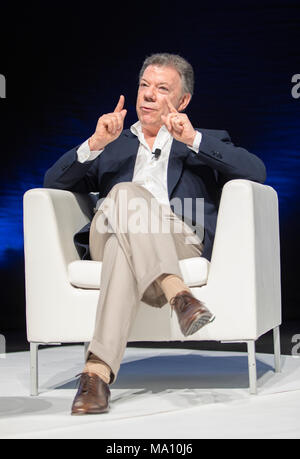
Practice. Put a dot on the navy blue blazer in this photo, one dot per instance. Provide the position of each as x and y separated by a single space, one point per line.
190 175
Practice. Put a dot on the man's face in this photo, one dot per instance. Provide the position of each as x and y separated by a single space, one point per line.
156 84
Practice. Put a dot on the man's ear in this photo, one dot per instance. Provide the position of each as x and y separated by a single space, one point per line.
184 101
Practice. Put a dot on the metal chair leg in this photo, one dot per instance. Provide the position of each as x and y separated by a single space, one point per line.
252 367
277 353
34 347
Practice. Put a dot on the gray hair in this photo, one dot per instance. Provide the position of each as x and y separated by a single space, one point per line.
180 64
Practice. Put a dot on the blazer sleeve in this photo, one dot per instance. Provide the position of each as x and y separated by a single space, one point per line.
229 161
69 174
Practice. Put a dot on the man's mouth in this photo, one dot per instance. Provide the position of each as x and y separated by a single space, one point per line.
147 109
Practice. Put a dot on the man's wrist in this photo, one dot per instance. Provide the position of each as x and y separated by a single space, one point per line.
196 143
94 144
190 142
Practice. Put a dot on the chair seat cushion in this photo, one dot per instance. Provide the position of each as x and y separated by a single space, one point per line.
87 273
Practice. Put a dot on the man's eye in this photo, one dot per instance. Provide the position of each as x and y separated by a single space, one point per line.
163 88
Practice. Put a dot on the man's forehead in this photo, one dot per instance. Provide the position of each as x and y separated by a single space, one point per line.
166 74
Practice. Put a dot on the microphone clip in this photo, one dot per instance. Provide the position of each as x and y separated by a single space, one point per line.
157 153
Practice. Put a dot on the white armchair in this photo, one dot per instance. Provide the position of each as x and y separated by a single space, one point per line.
241 284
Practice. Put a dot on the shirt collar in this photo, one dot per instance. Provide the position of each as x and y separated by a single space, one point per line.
163 133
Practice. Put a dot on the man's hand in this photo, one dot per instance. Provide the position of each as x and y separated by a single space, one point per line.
109 127
179 125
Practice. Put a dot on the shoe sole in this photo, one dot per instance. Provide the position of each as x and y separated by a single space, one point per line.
200 322
83 412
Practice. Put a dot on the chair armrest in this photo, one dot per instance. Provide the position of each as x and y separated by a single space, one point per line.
245 265
51 217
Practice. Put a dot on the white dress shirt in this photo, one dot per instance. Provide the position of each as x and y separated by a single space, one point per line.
149 172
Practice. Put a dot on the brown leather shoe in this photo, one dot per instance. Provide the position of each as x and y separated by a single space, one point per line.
192 314
92 397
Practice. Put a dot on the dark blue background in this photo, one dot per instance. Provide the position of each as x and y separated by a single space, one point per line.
67 64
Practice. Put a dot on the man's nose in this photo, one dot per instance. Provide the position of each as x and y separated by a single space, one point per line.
150 94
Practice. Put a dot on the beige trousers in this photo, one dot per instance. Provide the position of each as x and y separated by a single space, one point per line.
137 241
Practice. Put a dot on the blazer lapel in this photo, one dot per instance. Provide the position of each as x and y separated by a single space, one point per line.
178 153
129 152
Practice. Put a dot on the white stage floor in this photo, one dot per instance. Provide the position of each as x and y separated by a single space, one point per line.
159 393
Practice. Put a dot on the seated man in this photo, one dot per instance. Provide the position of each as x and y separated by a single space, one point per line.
160 160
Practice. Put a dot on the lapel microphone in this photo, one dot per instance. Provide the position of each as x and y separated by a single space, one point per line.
157 153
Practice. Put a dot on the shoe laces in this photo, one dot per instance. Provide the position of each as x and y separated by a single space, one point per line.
178 300
88 382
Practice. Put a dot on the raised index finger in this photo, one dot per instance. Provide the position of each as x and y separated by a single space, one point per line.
170 106
120 104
